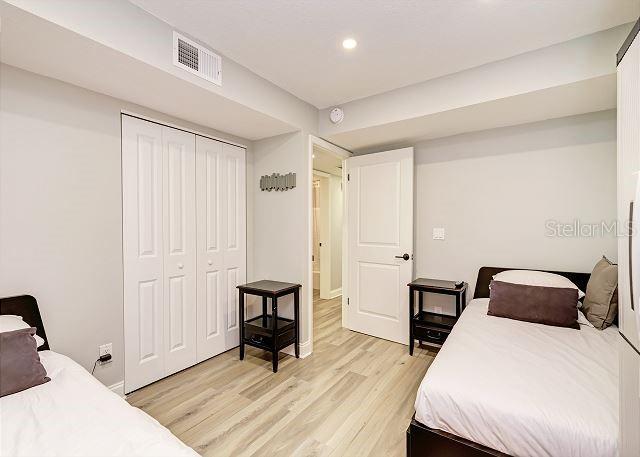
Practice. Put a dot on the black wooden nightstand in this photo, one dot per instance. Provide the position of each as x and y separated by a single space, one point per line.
432 328
269 331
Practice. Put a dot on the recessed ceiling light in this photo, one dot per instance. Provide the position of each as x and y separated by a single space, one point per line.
349 43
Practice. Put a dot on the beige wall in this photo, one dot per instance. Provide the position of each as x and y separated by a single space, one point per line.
61 212
493 192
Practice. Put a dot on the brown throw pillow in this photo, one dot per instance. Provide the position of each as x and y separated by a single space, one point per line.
20 366
600 304
542 305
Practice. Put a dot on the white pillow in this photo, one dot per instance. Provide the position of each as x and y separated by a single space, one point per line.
9 322
536 278
582 320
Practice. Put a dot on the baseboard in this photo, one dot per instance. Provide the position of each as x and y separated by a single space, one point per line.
336 292
117 388
305 350
332 294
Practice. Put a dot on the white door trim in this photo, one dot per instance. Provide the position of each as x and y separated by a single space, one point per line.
144 117
306 347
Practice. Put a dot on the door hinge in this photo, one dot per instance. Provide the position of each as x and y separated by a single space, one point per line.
347 301
348 176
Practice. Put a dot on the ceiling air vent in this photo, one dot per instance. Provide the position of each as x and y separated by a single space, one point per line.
197 59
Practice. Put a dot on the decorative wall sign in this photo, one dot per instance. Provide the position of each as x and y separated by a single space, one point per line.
276 181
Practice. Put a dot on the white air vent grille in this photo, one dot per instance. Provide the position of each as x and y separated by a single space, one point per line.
196 59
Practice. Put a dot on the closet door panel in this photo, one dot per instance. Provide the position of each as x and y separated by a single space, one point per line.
234 236
142 252
212 302
232 304
179 236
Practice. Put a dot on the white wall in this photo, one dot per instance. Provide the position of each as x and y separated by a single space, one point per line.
494 190
335 184
324 228
281 219
583 58
129 30
61 212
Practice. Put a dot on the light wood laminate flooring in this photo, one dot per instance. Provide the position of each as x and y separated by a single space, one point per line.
353 396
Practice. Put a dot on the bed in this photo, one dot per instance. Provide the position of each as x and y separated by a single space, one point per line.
74 414
505 387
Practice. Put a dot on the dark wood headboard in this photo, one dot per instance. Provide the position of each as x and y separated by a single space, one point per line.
27 307
485 274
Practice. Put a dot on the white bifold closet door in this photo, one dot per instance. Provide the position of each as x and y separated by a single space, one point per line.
183 246
179 242
221 257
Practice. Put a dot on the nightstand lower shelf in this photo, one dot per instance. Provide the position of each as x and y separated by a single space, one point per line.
258 332
432 328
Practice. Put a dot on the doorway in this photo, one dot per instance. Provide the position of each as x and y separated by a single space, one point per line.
326 257
326 205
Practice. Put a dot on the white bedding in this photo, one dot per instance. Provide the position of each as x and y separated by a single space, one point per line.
75 415
525 389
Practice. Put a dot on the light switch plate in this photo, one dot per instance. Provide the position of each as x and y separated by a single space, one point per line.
438 233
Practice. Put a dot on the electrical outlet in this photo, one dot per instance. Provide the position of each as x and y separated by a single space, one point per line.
438 233
105 349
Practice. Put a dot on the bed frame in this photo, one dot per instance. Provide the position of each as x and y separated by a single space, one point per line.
27 307
423 441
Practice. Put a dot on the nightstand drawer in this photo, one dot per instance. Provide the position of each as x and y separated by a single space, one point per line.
258 339
430 334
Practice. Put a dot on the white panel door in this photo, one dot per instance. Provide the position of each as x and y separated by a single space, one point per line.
142 252
210 260
234 236
380 232
179 234
221 248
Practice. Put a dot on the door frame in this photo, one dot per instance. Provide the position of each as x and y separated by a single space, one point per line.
144 117
343 154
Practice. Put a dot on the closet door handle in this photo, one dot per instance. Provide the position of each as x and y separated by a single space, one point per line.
209 262
180 266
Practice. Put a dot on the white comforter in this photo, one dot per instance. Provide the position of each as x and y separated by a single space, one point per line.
75 415
525 389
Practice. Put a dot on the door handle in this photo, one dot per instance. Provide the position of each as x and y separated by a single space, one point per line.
180 266
404 256
210 262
